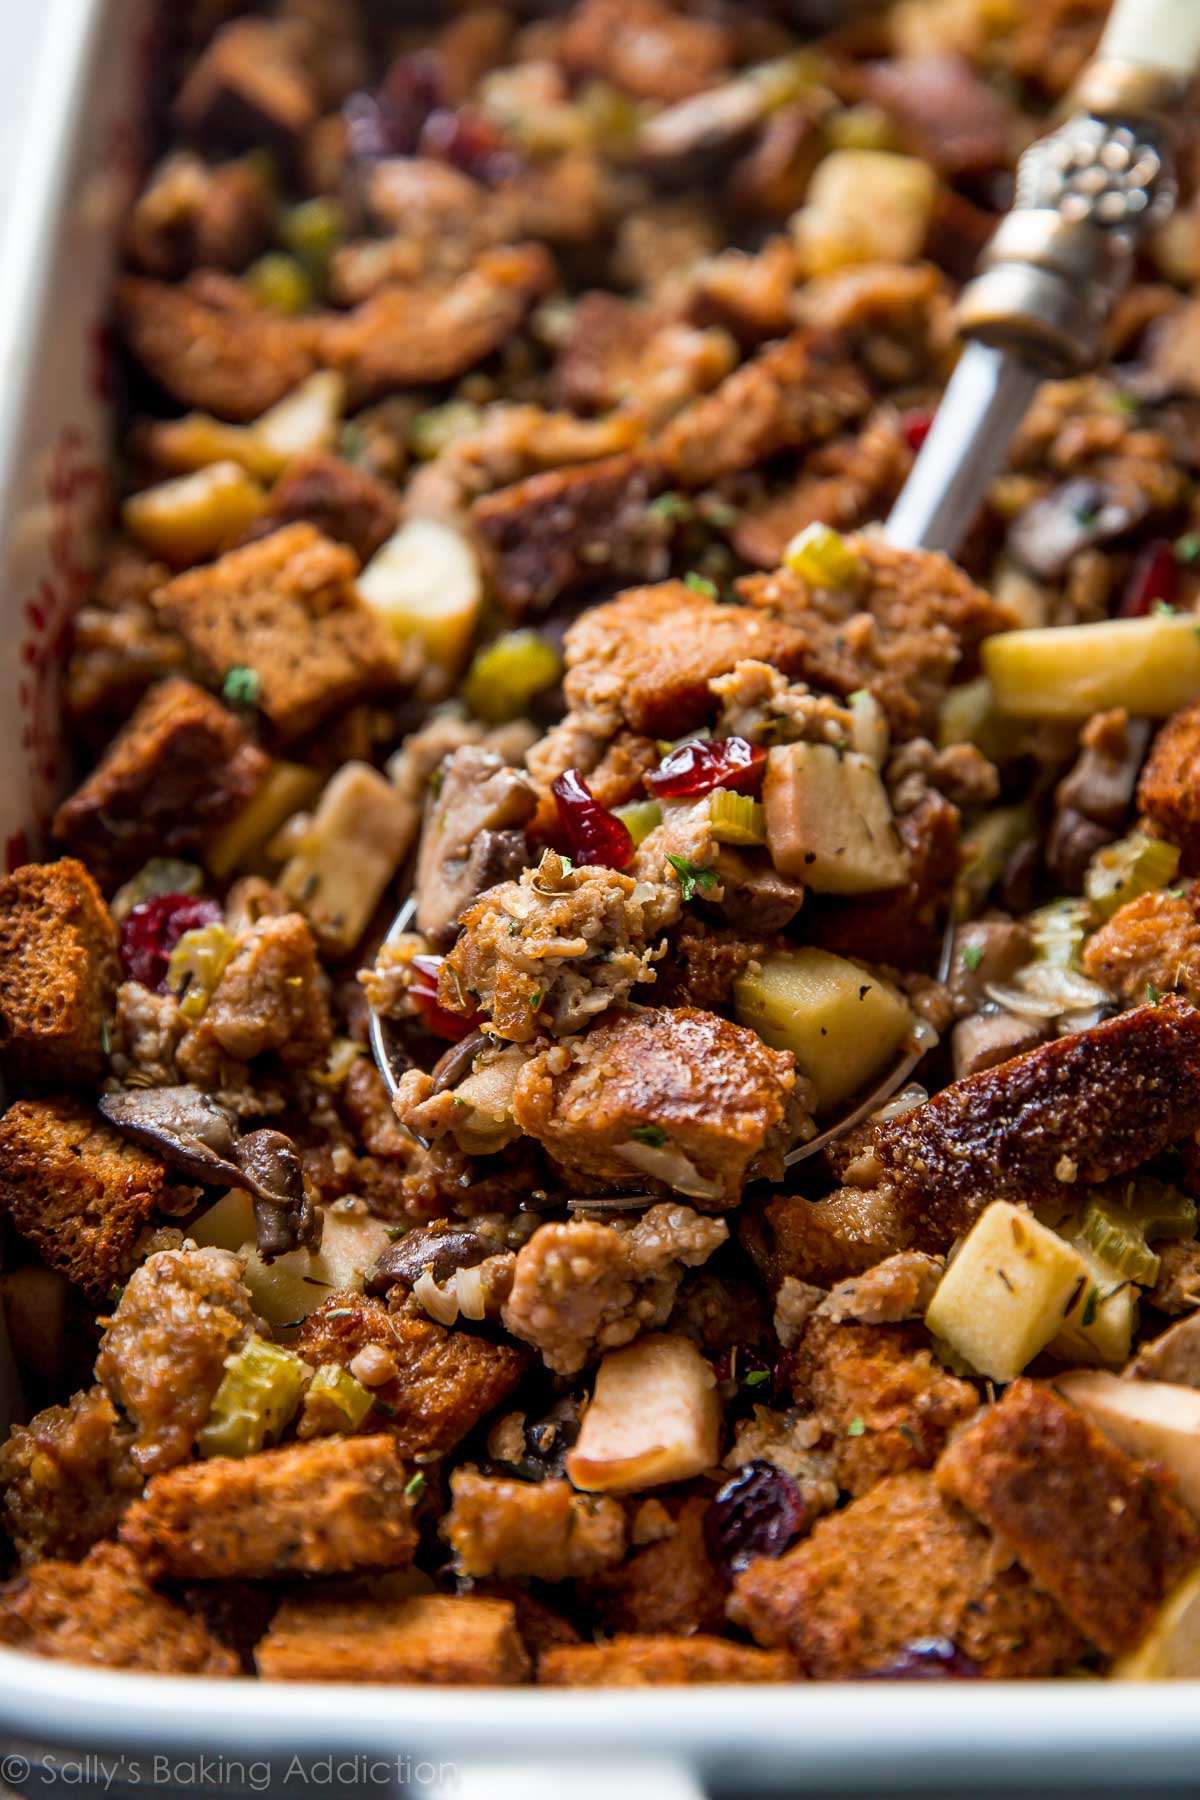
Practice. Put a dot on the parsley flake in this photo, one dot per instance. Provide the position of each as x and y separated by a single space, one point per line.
242 685
535 1000
972 956
670 506
415 1487
692 876
1163 609
1187 547
1089 1308
756 1377
855 1428
700 584
654 1135
1152 994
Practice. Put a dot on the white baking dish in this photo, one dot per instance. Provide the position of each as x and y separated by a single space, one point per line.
59 207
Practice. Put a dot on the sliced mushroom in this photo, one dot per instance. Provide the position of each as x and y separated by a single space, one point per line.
479 797
435 1252
756 895
456 1063
182 1125
284 1215
1173 1356
1078 514
986 950
989 1037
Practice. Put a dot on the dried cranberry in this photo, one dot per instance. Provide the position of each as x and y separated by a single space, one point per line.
1154 581
759 1512
387 121
471 142
701 765
151 930
592 833
928 1659
914 426
423 988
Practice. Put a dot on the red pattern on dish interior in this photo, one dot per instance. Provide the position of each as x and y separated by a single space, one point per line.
423 989
151 930
703 764
593 834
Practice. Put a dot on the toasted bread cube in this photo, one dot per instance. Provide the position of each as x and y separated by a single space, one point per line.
1007 1292
670 1584
58 974
271 996
898 1564
67 1477
1169 789
287 608
439 1639
537 1528
217 352
661 1661
102 1611
445 1381
320 1508
350 505
181 768
78 1190
1103 1535
247 89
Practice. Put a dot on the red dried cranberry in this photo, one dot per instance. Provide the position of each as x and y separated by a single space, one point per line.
592 833
471 142
701 765
914 426
151 930
928 1659
387 121
759 1512
1154 581
423 988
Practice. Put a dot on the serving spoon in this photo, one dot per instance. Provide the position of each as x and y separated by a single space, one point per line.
1085 196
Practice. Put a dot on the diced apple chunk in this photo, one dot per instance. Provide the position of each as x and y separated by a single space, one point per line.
864 206
192 517
1151 667
425 583
1007 1292
288 788
841 1023
1171 1649
1100 1325
654 1417
1158 1420
294 1284
347 854
829 820
306 419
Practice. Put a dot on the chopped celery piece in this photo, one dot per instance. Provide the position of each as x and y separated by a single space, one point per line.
312 231
336 1391
1120 1241
196 965
1058 931
259 1392
640 818
736 818
842 1023
505 675
1134 865
862 127
1149 666
161 875
986 847
279 282
1160 1210
821 556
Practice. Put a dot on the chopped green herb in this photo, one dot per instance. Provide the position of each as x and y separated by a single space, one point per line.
756 1377
1087 512
1187 547
972 956
1163 609
654 1135
855 1428
241 686
670 506
700 584
105 1036
1088 1316
535 1000
394 1233
692 876
416 1486
1152 994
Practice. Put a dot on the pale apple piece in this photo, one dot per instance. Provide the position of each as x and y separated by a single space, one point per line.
829 820
1171 1649
1007 1292
484 1121
192 517
842 1023
1101 1324
426 583
287 790
1151 667
288 1289
654 1418
1153 1419
306 419
864 206
342 858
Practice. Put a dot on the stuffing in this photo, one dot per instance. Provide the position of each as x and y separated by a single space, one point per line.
67 1478
661 1660
497 1527
441 1639
58 974
212 347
